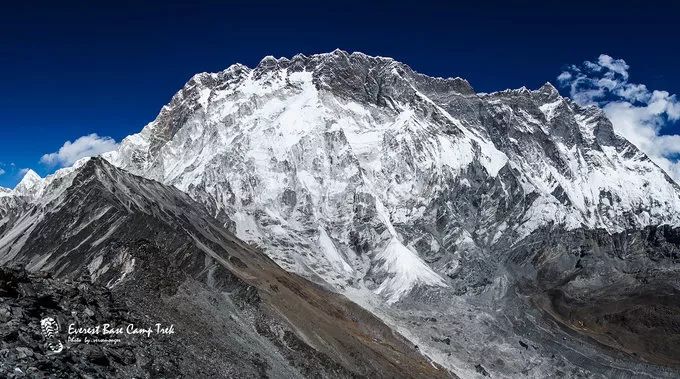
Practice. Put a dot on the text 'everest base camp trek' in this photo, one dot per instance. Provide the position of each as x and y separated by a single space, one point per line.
340 215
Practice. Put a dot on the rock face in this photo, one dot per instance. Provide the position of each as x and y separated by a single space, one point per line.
235 312
507 234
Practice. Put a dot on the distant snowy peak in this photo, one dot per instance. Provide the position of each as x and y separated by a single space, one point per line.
37 189
29 185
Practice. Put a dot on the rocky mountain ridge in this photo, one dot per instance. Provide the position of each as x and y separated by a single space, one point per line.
168 261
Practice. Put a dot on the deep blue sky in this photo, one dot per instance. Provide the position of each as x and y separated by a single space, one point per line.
72 68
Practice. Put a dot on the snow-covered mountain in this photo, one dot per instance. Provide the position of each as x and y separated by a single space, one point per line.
347 167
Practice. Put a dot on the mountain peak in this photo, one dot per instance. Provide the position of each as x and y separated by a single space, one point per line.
548 89
268 61
31 176
29 184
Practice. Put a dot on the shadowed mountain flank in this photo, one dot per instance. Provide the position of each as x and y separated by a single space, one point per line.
236 313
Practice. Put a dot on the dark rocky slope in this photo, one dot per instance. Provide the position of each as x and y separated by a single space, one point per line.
235 312
28 297
615 289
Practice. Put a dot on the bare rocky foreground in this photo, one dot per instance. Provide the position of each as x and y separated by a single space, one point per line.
212 335
27 298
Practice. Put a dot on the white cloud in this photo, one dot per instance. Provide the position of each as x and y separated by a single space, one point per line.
638 114
618 66
85 146
2 172
563 77
592 66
